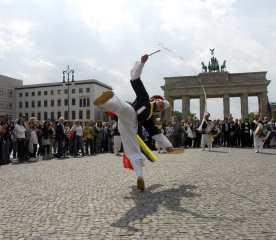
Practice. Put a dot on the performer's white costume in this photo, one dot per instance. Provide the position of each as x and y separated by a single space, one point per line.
258 139
128 125
205 137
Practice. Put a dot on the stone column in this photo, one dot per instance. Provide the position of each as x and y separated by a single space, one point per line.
262 100
226 106
171 102
185 107
244 105
202 104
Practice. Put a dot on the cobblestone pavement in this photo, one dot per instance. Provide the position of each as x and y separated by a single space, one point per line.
227 194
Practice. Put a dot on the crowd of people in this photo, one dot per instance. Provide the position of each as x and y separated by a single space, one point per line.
229 132
22 141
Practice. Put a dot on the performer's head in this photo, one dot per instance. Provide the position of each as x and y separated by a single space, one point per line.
160 103
206 115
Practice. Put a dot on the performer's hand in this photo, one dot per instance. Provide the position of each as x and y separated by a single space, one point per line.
144 58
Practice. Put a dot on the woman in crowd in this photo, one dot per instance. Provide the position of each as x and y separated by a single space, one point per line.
20 134
47 134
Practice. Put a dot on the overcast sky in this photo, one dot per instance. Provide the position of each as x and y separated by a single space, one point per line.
102 40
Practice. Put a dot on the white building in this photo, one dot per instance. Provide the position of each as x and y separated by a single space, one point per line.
49 101
7 96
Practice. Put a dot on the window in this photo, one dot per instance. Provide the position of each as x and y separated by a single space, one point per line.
59 102
73 115
58 91
65 102
58 115
20 94
87 90
52 92
33 104
27 116
33 114
33 94
80 90
52 103
73 101
52 116
45 103
10 92
20 104
45 93
80 114
9 106
38 116
26 94
66 115
20 115
65 91
73 90
84 102
87 114
1 91
39 93
38 103
26 104
45 116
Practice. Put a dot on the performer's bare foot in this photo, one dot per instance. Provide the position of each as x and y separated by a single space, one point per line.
105 96
140 183
175 150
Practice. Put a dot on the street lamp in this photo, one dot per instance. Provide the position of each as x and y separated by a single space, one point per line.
68 71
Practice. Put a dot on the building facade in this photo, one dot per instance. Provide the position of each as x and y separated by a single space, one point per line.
8 96
49 101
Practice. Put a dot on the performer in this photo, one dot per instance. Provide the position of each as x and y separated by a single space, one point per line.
206 128
259 136
129 115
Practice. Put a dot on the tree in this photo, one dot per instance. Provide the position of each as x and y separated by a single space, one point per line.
179 116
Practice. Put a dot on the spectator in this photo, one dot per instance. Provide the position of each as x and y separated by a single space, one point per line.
20 132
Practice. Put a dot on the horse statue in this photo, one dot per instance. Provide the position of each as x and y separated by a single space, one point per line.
204 67
223 66
213 66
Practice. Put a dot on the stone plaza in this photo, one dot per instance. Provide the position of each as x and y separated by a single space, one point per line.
222 194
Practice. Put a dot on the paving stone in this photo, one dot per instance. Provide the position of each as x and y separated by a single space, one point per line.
224 194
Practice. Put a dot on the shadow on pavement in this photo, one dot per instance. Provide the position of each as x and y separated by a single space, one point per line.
218 151
148 202
268 153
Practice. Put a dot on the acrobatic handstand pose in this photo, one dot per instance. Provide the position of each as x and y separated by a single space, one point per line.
141 110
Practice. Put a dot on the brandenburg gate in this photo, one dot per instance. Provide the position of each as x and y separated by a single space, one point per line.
217 83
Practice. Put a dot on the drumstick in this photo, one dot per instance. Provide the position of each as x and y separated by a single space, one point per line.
154 52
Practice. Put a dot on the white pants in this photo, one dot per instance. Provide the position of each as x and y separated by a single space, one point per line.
117 144
258 143
128 127
206 140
